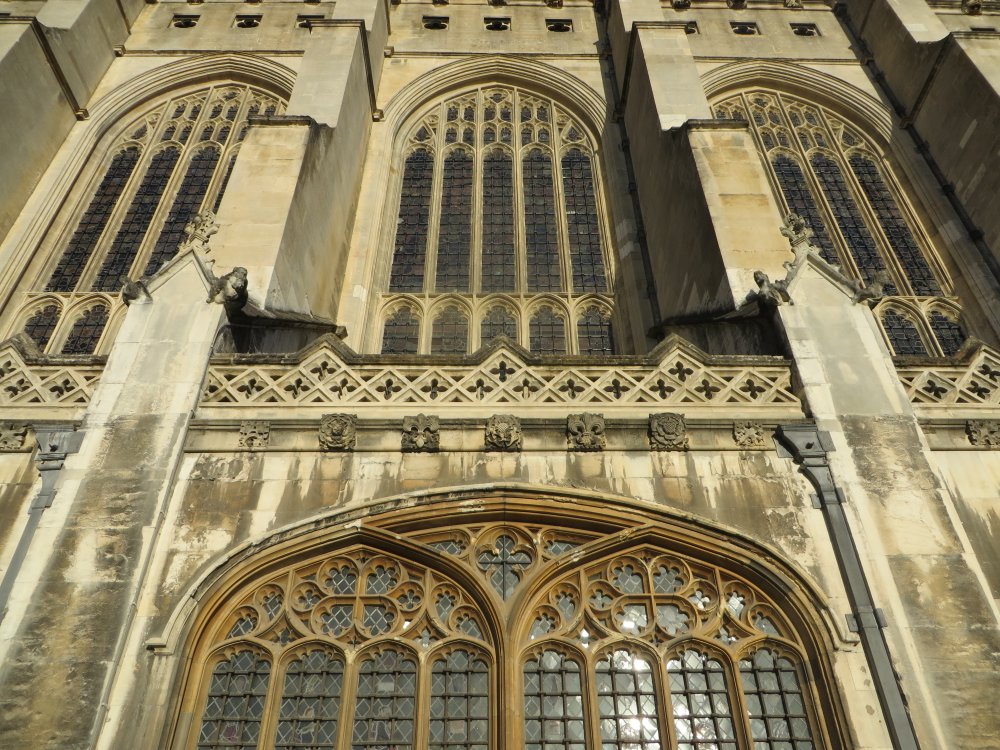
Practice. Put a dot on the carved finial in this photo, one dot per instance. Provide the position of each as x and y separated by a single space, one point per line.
796 230
230 290
198 232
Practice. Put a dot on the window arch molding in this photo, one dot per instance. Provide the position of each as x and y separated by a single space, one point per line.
801 607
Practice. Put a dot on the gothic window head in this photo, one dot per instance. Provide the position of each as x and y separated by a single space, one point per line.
499 202
826 170
153 177
634 647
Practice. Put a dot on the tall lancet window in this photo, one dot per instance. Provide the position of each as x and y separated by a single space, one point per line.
499 204
835 177
160 171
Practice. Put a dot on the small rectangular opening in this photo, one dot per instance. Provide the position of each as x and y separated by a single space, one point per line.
247 21
435 23
496 23
745 28
804 29
559 25
184 21
305 21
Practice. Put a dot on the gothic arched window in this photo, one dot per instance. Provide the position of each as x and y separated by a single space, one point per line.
499 194
833 176
641 648
162 170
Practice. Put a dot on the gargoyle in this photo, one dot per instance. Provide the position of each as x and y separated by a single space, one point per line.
874 291
230 290
770 293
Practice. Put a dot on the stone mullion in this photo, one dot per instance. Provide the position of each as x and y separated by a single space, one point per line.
476 244
562 228
520 232
434 214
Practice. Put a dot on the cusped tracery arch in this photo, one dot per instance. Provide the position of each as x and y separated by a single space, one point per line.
415 628
499 193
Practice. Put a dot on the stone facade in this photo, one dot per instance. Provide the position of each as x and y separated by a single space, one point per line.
269 382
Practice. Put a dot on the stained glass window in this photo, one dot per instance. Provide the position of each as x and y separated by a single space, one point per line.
483 206
450 333
539 223
411 232
133 229
81 245
894 225
903 334
626 702
41 325
189 199
499 260
581 213
384 711
553 703
948 333
235 705
310 702
499 321
547 332
778 719
459 710
401 334
86 331
847 215
699 695
845 186
455 234
593 331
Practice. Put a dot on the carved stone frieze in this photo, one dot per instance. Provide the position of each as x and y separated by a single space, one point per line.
338 432
749 434
585 432
503 433
199 231
667 432
421 434
254 434
984 432
12 436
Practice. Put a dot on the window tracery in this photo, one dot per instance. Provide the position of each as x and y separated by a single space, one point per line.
643 648
499 195
835 178
163 169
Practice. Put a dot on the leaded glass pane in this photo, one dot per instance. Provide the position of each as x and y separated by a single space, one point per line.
450 332
800 201
40 326
547 333
541 238
845 210
455 233
626 702
499 261
505 564
593 331
459 710
903 335
401 334
81 245
553 703
310 702
775 702
585 252
499 321
186 204
235 704
699 698
134 226
411 227
895 227
384 709
86 331
948 333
